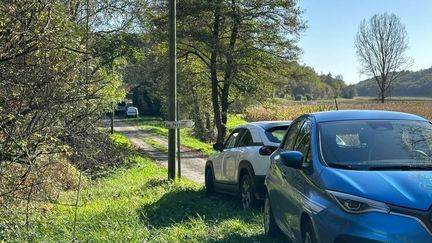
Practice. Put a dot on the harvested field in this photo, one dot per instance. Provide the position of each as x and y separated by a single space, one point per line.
291 110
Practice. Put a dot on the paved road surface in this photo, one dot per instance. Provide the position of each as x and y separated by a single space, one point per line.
192 162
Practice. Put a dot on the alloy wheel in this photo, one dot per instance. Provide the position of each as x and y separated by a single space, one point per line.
246 193
307 238
266 216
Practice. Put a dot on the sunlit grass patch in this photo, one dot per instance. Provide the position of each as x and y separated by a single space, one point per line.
139 204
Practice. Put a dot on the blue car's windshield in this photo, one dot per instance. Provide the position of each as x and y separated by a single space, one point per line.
372 143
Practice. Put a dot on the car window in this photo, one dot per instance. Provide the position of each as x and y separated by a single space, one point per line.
232 139
303 142
276 134
303 134
291 135
246 139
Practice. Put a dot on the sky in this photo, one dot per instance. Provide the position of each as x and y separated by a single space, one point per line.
328 42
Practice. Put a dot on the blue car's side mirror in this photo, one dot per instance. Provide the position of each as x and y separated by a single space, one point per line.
292 159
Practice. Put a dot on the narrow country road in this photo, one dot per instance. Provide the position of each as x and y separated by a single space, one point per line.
192 162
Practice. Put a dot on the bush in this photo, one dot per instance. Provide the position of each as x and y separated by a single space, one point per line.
96 154
41 182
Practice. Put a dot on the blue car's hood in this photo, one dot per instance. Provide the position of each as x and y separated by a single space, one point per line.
411 189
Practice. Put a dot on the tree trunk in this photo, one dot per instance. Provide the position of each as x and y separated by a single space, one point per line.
230 68
224 110
213 73
382 87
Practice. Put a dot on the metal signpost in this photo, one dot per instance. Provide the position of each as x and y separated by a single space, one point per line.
177 125
178 144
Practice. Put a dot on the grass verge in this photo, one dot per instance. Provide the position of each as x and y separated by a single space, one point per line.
155 144
138 204
155 126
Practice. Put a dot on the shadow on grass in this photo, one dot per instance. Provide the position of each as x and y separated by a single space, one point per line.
234 238
181 205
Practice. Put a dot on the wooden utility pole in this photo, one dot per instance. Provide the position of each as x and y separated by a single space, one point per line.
172 90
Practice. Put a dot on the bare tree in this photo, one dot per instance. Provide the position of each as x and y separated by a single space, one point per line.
381 44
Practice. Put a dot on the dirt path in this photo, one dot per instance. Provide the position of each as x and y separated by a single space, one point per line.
192 162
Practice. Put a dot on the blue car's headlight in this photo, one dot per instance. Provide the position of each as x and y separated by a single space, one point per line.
354 204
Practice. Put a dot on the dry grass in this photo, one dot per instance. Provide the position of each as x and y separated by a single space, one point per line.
291 110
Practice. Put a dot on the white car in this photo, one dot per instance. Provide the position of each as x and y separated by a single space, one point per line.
132 111
240 165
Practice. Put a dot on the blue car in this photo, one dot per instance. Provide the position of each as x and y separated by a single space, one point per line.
352 176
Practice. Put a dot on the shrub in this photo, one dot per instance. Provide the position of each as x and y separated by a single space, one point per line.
96 154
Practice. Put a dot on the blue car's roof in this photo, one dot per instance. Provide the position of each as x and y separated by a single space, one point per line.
343 115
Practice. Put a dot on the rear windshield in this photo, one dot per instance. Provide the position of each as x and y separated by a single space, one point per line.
376 142
276 134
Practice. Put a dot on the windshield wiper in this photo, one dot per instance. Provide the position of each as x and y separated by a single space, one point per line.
400 167
343 166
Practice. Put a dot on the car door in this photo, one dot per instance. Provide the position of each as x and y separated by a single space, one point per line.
218 161
230 159
278 194
244 143
294 184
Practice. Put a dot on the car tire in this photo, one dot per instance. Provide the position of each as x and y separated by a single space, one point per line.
308 233
247 192
209 182
270 227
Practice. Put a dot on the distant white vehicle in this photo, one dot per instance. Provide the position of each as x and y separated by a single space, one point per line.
132 111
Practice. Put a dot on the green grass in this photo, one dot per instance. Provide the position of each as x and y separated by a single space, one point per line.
138 204
155 126
121 140
155 144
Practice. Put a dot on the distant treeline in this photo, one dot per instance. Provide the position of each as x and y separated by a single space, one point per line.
304 83
413 84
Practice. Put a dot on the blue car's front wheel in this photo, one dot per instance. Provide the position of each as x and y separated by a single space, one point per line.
308 233
270 227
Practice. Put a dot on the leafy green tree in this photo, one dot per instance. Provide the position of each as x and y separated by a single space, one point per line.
234 41
349 92
337 84
60 71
